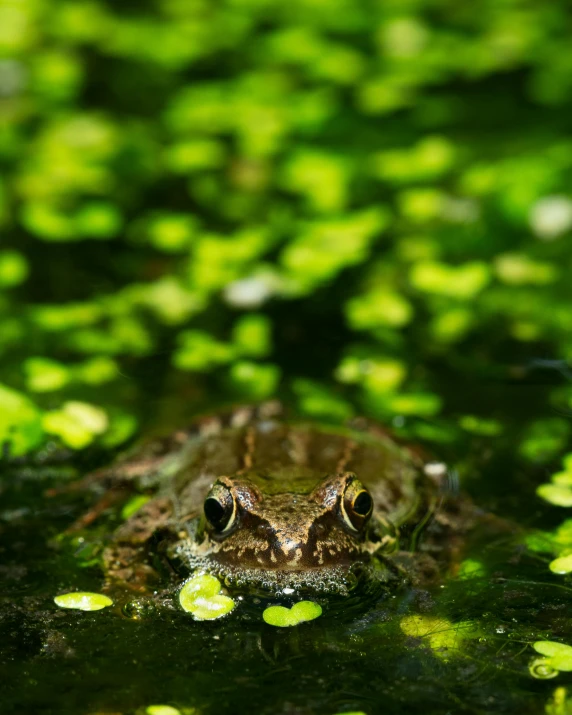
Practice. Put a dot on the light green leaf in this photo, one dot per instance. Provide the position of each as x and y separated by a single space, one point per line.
83 601
77 423
133 505
555 494
283 617
43 375
552 648
161 710
13 269
561 565
200 597
20 422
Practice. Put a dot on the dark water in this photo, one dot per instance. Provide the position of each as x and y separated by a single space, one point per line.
356 657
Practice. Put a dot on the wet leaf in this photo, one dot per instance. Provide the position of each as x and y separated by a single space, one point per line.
282 617
555 494
200 597
161 710
559 655
83 601
20 422
541 669
552 648
561 565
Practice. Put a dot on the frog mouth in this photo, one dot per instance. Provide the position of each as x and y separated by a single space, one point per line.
339 577
339 580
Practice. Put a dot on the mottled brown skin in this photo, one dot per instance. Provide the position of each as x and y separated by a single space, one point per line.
291 499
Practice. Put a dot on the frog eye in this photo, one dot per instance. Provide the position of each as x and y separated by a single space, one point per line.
356 505
220 508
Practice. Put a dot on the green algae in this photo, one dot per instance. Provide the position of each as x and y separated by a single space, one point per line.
283 617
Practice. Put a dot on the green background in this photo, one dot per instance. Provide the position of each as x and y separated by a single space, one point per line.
362 207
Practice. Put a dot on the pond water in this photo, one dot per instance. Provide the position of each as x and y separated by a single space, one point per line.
465 645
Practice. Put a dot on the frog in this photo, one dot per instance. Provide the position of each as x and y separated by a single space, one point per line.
276 505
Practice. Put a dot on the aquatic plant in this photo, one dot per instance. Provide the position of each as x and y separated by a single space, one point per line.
200 596
342 204
83 601
300 612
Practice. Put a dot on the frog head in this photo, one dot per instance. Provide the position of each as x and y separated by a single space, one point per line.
291 530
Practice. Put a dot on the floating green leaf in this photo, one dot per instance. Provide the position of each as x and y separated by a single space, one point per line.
555 494
541 669
83 601
559 655
161 710
14 269
43 375
462 282
200 596
561 565
282 617
20 422
77 423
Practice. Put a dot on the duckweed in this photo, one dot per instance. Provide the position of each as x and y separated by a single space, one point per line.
561 565
559 490
283 617
560 703
200 597
558 655
83 601
281 202
541 669
161 710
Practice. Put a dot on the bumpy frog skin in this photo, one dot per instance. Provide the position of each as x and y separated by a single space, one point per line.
256 501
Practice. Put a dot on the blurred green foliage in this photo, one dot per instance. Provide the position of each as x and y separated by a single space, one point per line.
337 201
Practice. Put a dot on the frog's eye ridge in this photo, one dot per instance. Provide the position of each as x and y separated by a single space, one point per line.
220 508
